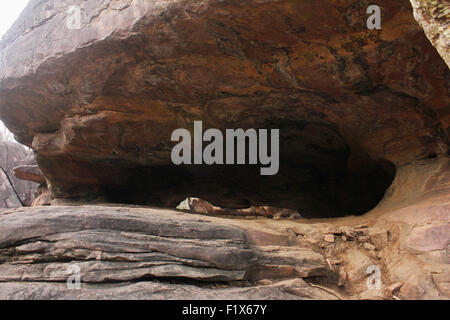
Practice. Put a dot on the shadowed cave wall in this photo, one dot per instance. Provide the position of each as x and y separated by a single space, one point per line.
320 176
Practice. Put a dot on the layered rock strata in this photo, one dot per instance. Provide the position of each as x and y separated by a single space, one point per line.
98 103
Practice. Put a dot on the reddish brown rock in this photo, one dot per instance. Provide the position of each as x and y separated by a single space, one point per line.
125 243
363 116
99 104
203 207
394 288
28 170
29 173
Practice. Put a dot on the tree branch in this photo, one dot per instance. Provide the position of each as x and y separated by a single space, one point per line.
12 186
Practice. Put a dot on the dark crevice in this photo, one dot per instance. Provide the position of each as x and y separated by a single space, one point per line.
320 176
206 284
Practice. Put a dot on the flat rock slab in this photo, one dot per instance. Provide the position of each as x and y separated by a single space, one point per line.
123 244
286 290
29 173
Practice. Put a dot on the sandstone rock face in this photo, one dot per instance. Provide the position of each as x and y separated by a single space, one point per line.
125 245
98 104
29 172
203 207
417 203
434 17
14 192
283 290
131 252
364 123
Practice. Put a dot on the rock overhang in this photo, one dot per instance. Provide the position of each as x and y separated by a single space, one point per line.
99 104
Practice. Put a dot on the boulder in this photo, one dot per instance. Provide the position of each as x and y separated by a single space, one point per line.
127 245
97 91
124 244
98 101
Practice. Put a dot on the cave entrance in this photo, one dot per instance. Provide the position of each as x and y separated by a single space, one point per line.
320 176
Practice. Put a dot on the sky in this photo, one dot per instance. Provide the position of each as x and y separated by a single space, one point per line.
9 12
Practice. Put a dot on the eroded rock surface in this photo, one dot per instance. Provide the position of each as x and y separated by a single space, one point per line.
363 117
285 290
129 244
111 244
166 253
434 17
98 104
28 170
133 252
